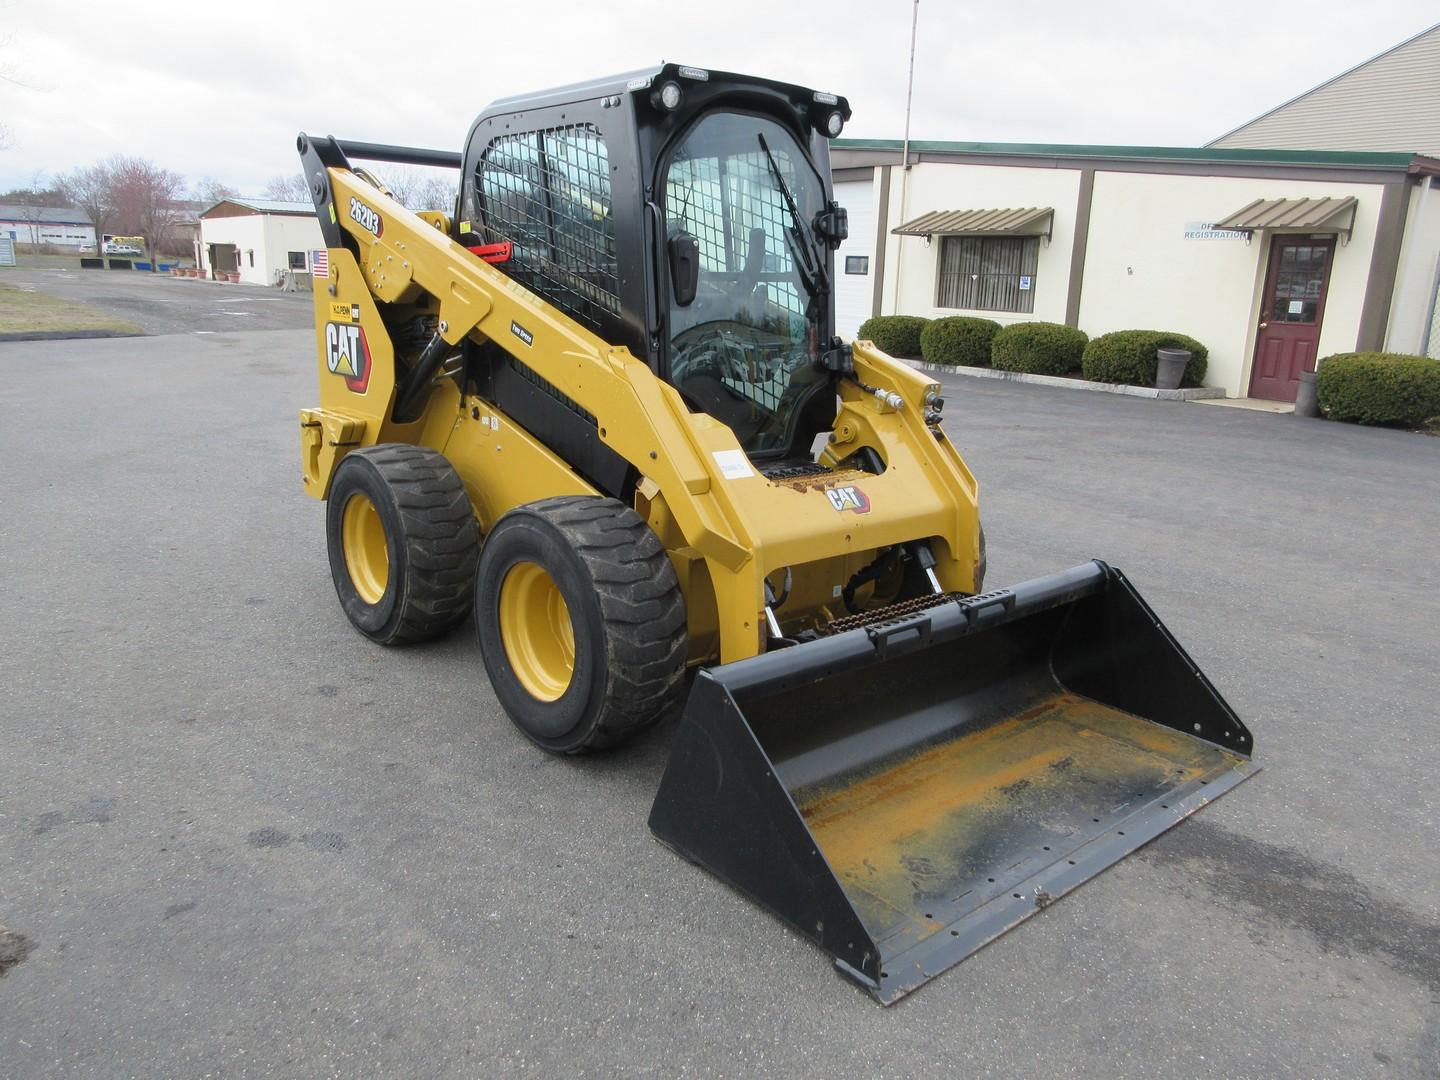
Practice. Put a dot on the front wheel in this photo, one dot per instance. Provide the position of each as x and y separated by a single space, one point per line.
581 622
403 542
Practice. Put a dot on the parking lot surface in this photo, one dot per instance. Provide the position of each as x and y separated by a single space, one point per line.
243 840
161 304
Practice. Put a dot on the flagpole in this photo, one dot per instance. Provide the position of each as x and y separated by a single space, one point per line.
905 152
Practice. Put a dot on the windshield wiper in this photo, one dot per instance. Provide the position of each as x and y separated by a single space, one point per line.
803 248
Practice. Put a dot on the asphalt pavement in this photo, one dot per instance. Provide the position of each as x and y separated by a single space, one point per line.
161 304
240 839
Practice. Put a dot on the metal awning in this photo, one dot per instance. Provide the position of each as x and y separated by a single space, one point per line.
1301 215
1029 221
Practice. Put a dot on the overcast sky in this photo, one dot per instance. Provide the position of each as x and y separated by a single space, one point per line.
212 89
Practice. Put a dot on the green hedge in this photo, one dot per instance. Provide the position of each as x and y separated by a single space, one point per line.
1040 348
1128 356
958 339
898 335
1379 388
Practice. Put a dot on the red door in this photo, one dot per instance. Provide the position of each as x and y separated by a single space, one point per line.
1289 336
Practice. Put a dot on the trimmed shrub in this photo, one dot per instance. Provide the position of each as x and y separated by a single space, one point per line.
1379 388
1039 348
898 335
958 339
1128 356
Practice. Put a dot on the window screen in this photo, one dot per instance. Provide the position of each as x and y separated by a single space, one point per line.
988 273
857 264
548 193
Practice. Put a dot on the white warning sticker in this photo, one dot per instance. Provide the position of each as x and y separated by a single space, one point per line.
734 465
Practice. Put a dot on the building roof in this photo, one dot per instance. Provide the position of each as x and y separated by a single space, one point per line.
1188 154
1028 221
264 206
1388 102
49 215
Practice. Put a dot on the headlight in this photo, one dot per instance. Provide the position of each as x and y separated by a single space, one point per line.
834 124
669 96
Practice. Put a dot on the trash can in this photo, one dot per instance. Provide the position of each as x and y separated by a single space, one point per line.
1170 368
1307 402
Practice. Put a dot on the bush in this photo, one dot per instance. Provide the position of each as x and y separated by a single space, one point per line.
958 339
898 335
1040 348
1379 388
1128 356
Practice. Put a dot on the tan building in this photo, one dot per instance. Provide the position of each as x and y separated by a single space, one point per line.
1390 102
1272 258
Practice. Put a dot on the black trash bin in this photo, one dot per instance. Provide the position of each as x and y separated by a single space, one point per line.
1170 368
1307 403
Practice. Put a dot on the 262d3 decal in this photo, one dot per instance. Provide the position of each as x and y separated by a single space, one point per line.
348 354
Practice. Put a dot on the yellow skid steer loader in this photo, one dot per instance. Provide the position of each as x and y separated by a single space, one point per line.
598 405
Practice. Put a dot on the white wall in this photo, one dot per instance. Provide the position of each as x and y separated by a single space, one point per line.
912 265
285 233
854 293
48 232
1141 272
269 236
1415 284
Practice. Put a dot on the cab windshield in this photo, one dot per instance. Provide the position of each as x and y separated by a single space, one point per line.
744 350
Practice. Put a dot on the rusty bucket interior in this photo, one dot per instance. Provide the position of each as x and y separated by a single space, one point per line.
904 794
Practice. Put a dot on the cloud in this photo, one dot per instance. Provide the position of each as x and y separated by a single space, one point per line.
221 90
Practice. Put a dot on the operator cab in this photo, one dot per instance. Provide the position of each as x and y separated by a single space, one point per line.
687 215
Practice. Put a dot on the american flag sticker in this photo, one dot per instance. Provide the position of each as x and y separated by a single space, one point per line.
320 263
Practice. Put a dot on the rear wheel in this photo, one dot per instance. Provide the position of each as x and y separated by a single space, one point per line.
581 622
403 542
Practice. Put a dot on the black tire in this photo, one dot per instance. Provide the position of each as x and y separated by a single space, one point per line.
626 616
431 542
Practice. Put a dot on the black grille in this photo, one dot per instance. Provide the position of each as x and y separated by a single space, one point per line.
549 388
548 193
893 611
793 470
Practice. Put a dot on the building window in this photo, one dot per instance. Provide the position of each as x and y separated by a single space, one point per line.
988 273
548 192
857 264
297 260
252 256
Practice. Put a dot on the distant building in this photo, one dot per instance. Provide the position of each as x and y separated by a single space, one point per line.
61 226
262 239
1271 258
1390 102
1313 229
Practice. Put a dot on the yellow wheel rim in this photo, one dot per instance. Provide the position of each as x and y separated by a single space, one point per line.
362 538
536 631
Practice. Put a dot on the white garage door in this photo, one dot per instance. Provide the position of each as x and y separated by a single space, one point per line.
854 285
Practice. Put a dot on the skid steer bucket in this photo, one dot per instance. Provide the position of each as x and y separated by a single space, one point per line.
906 791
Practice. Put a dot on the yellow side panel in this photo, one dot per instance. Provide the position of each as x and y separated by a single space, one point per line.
501 466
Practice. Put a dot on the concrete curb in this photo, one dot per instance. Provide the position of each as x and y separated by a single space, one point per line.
1189 394
64 335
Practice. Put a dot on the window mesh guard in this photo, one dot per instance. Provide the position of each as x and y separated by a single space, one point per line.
548 193
727 210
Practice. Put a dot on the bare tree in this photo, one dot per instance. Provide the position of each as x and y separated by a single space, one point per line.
92 189
401 183
290 188
32 200
211 191
419 190
437 193
147 200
